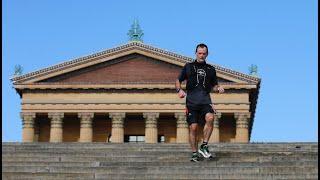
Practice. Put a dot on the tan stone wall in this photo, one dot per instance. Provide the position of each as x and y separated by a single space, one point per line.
130 71
125 102
129 97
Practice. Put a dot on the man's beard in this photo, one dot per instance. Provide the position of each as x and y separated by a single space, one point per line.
200 60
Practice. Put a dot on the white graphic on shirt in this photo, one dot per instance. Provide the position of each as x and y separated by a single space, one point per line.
202 74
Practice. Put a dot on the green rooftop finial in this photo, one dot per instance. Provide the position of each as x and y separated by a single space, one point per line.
253 70
135 33
18 70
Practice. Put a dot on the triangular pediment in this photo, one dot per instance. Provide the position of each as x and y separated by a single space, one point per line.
131 63
133 68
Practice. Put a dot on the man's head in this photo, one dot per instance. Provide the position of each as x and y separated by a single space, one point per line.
202 52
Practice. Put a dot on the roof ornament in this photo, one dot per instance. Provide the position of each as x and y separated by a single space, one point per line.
17 70
135 33
253 70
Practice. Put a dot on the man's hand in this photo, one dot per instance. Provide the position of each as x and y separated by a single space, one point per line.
218 89
181 94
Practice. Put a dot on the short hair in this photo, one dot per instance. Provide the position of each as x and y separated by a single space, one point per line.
202 46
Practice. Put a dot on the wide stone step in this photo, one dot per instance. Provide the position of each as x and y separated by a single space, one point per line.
89 176
158 161
179 157
154 159
26 150
288 146
165 170
125 151
153 151
53 176
229 176
204 163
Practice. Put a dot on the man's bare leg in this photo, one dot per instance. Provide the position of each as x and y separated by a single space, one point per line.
208 127
207 130
193 137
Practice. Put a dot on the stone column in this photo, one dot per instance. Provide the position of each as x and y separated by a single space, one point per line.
215 136
56 130
28 119
85 126
151 132
117 132
242 123
182 128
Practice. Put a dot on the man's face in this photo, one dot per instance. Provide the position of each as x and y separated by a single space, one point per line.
201 54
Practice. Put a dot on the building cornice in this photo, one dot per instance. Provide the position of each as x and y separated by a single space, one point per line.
121 86
173 57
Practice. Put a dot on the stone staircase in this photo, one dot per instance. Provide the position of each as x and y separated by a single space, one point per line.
158 161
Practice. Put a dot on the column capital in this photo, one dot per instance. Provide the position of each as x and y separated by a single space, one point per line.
56 119
121 115
217 115
85 115
216 123
242 115
181 120
242 120
151 119
55 115
85 119
151 115
117 119
216 120
27 115
28 119
179 115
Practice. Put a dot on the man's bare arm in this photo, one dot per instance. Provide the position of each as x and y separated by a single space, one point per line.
178 84
180 92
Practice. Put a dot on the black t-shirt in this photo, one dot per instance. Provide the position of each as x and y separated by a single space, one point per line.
198 95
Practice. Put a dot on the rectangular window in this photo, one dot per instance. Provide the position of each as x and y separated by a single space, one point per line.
134 138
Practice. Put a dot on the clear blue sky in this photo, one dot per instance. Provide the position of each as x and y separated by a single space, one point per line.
279 36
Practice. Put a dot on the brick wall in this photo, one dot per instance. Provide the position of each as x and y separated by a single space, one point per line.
136 69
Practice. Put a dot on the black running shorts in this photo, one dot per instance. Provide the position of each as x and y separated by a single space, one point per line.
197 114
